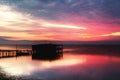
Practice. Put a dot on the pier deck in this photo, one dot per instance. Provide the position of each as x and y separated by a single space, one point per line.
14 53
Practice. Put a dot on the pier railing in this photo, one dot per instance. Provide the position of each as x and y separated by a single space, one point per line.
14 53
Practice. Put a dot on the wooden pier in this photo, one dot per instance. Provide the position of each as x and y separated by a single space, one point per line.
39 51
14 53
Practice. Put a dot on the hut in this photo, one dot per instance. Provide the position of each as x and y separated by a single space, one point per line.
47 51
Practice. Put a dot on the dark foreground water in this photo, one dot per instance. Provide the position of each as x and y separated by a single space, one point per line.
77 63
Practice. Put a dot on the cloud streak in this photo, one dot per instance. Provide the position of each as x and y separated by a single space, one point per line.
85 20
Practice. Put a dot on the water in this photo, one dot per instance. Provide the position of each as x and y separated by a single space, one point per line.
76 64
14 47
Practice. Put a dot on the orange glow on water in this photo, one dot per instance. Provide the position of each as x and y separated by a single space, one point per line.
26 66
7 47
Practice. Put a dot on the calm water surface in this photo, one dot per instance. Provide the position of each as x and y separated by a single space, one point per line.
72 66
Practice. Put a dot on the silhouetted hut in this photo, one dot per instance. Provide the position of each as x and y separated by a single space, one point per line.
46 51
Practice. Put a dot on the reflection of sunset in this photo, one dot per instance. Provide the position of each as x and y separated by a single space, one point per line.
88 31
7 48
66 62
26 66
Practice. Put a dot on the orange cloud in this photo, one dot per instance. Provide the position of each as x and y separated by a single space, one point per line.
47 24
112 34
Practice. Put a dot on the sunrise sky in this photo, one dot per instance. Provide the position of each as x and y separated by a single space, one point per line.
76 20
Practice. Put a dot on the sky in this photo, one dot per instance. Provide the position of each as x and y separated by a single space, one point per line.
62 20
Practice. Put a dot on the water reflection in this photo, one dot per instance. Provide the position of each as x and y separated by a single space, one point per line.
25 64
72 66
77 66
